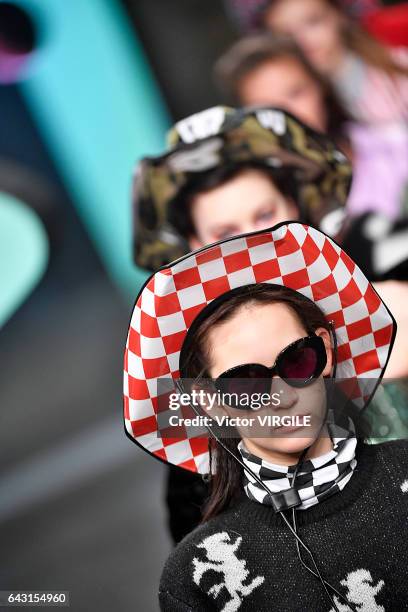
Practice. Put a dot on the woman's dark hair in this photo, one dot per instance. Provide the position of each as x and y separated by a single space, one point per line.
195 361
251 52
179 209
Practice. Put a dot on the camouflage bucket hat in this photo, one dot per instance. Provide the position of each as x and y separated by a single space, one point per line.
222 135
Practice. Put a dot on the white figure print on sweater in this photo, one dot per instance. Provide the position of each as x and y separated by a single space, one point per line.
361 591
221 558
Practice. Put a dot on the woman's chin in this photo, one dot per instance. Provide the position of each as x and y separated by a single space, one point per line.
289 445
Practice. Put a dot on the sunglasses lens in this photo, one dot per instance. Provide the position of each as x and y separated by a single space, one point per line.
299 364
303 363
243 383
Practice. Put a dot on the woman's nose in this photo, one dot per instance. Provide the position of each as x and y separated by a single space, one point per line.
283 395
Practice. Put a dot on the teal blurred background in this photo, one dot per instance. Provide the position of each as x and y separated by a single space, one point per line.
86 89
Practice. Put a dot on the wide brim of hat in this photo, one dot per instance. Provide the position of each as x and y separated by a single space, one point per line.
292 255
271 137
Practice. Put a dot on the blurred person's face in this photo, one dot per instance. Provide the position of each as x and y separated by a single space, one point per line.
316 27
284 83
246 203
257 333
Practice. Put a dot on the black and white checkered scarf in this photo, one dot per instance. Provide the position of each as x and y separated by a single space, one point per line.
317 478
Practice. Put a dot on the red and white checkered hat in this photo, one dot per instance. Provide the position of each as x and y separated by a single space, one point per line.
290 254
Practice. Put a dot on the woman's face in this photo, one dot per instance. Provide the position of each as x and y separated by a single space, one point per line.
285 83
315 25
246 203
257 333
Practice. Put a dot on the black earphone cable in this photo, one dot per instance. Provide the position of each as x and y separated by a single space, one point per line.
317 574
295 527
298 539
339 595
284 518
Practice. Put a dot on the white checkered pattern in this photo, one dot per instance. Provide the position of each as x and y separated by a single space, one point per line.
293 255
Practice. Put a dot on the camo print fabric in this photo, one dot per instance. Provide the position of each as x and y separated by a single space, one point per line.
220 135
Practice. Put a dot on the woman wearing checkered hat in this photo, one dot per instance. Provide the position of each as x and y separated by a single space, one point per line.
303 515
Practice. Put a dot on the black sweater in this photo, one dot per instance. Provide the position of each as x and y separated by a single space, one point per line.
245 559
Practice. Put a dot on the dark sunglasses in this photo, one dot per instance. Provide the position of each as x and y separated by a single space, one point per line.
298 364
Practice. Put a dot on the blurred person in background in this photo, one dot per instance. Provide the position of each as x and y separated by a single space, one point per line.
199 191
271 70
370 80
266 69
245 13
206 210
